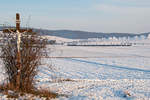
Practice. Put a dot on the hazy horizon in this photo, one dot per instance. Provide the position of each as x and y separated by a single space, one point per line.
121 16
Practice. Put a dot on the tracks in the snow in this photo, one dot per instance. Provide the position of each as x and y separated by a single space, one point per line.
107 65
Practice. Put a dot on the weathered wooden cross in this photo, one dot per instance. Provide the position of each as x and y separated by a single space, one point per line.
18 32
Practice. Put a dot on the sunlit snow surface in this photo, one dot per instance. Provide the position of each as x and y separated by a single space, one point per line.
107 74
101 73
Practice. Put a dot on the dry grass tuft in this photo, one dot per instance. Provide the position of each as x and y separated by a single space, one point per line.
12 93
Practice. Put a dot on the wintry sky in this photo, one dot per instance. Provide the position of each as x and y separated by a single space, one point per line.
88 15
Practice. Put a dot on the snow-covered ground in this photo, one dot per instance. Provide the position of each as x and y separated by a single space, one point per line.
97 73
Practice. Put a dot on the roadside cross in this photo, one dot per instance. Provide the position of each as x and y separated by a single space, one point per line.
18 32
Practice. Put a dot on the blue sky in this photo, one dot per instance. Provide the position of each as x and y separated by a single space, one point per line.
89 15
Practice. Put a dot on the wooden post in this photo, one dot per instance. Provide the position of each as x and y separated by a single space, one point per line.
18 50
17 21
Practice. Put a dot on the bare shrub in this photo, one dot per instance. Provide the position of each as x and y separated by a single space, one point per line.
30 50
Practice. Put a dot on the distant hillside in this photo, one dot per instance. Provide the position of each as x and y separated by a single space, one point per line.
70 34
85 35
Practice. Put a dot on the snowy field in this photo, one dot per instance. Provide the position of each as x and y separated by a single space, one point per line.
97 73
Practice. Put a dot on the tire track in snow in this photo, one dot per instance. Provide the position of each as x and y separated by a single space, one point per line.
107 65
